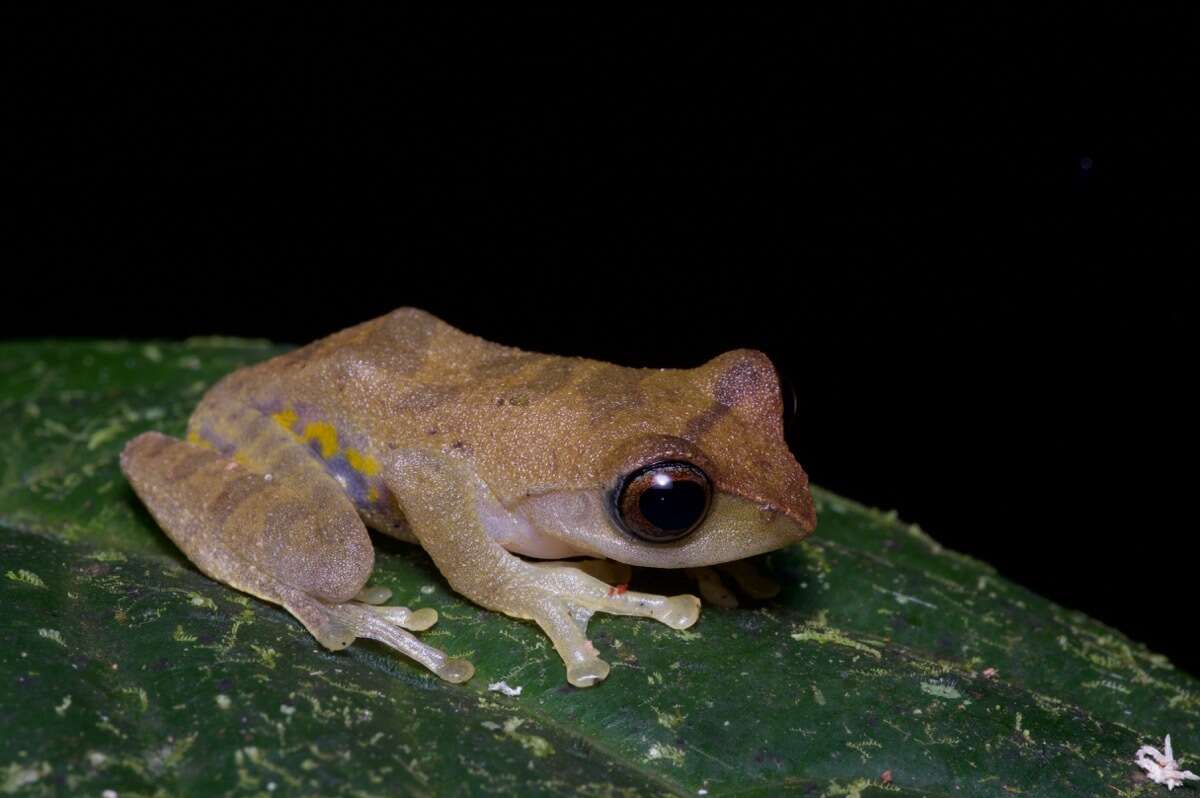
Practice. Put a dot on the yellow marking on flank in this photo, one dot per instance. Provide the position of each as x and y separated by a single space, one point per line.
325 434
241 459
285 418
372 494
193 437
363 463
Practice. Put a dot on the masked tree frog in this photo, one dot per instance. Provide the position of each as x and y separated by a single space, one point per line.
500 463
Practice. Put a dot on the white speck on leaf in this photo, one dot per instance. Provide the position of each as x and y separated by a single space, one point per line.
53 634
28 577
503 687
105 434
902 599
1161 765
17 775
940 690
668 752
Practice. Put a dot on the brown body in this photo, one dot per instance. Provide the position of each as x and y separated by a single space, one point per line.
474 450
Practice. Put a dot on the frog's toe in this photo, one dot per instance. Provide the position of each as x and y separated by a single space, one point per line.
679 612
711 588
455 670
386 624
567 628
412 620
587 672
376 594
420 620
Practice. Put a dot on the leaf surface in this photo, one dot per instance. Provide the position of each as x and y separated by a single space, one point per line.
126 669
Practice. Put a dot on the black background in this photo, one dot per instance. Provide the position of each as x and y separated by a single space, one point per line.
962 236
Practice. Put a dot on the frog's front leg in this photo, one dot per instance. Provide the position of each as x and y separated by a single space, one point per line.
286 535
440 499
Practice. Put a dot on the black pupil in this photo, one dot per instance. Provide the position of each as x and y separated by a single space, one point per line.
672 505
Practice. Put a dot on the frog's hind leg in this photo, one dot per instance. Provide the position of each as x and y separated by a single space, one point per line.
287 536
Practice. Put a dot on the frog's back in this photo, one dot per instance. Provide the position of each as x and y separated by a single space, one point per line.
404 377
405 348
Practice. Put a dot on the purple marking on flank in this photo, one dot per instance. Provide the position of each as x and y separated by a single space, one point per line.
354 481
269 407
223 446
356 484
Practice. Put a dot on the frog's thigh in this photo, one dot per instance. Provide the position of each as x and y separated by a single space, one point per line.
270 538
223 514
294 541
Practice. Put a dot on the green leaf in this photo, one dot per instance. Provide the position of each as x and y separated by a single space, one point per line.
125 669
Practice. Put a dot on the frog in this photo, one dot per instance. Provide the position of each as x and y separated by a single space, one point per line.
534 482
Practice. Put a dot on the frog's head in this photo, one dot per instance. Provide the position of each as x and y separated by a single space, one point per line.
704 475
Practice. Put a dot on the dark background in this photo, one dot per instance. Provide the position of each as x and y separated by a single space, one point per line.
963 237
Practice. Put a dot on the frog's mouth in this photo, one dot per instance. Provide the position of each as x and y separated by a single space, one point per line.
579 522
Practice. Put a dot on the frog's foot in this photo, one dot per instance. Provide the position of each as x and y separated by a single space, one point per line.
336 626
390 625
749 580
711 588
412 620
744 574
561 598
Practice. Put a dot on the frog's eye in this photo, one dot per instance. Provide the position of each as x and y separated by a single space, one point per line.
662 501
